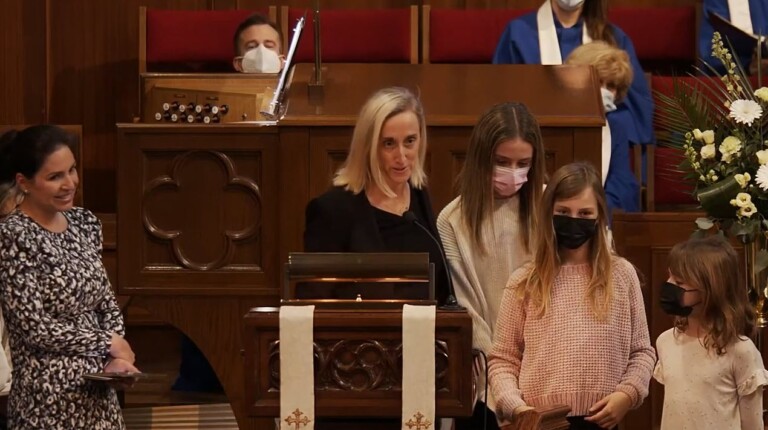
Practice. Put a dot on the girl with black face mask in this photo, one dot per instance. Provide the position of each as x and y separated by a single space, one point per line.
712 373
574 316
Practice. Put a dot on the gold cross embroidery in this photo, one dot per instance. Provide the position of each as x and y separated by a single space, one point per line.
418 424
296 420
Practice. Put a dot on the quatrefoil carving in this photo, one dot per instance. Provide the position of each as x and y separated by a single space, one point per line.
178 182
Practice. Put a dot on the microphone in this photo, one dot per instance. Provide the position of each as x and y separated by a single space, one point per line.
451 304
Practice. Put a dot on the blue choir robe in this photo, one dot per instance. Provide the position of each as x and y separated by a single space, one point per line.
758 10
520 45
621 188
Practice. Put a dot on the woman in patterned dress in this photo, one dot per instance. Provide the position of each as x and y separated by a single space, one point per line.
59 307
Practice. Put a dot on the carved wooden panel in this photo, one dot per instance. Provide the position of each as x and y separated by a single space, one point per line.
183 178
358 363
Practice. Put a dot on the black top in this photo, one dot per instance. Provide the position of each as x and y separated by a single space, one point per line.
340 221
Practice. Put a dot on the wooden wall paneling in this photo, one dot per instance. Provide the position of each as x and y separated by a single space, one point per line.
295 182
330 4
23 68
532 4
93 79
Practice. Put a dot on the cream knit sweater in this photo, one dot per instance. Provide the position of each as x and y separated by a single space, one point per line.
479 279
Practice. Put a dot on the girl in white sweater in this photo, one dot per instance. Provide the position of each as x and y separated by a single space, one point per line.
486 230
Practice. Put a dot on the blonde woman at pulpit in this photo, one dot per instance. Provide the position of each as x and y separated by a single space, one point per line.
572 327
487 230
713 375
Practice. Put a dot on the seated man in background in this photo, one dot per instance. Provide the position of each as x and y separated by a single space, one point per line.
258 46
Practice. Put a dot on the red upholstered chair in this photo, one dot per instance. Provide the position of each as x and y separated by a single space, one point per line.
662 36
668 188
463 35
357 35
189 40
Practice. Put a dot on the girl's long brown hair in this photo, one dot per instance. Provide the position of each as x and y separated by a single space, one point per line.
500 123
595 15
711 265
569 181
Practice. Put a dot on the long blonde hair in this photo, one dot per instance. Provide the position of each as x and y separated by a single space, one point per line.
499 124
711 265
569 181
362 167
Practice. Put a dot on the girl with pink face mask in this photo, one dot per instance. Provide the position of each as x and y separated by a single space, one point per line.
486 231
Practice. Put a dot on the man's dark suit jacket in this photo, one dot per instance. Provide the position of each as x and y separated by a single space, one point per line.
340 221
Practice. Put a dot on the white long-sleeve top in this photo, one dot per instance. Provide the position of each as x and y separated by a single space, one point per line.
480 278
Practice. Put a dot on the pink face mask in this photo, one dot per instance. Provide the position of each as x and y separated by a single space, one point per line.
507 181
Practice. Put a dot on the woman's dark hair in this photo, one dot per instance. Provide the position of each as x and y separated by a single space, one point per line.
25 151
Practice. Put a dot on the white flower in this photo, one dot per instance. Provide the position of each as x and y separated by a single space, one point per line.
731 146
761 178
697 134
742 200
708 151
742 180
745 111
708 136
747 211
762 94
762 156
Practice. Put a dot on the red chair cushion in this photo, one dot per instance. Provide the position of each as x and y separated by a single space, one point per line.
467 35
197 36
356 35
670 185
658 33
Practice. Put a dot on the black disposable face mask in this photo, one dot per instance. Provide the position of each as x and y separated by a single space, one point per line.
671 298
573 232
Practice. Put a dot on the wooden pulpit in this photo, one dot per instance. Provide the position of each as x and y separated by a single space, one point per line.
358 363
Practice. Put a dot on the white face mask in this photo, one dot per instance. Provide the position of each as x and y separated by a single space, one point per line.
570 4
508 181
609 99
261 60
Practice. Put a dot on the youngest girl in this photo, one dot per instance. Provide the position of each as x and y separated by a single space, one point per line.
712 373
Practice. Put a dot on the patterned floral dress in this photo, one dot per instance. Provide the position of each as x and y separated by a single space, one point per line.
60 311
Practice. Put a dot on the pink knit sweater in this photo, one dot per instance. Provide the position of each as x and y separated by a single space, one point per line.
568 356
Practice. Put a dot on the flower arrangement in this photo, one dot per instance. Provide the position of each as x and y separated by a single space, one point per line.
720 123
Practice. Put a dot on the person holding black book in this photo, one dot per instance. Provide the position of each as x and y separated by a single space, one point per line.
59 307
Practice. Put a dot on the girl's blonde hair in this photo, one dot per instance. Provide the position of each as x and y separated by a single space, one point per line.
611 63
568 182
499 124
361 167
711 265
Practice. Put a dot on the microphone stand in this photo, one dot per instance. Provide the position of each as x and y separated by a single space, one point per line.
315 87
451 304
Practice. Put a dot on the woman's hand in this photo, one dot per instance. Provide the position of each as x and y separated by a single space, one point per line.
610 410
119 365
121 349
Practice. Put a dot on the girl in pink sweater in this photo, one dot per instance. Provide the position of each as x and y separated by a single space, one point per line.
712 373
572 328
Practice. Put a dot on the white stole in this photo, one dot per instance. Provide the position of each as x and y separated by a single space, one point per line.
606 150
418 367
549 47
297 376
740 15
